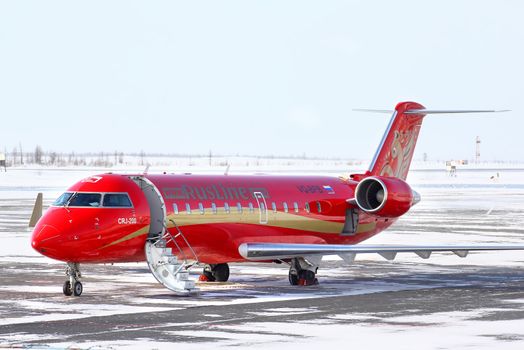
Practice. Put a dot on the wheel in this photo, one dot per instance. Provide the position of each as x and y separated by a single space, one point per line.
67 288
77 290
293 278
307 278
308 275
221 272
208 273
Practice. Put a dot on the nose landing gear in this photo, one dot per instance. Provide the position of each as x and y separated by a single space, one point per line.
73 286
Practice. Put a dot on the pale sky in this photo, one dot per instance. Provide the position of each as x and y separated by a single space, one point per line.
259 77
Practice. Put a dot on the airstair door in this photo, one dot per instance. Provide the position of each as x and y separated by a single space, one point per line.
262 206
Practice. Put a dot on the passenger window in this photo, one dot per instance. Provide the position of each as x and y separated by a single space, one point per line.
295 206
226 208
307 207
250 205
319 207
175 208
213 208
85 200
285 207
117 200
201 208
274 207
239 208
188 208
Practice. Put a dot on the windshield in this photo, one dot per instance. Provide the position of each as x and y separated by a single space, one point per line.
85 200
117 200
62 200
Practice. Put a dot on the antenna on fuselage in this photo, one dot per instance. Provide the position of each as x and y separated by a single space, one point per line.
146 169
227 170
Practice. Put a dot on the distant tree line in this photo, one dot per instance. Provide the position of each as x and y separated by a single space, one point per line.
41 157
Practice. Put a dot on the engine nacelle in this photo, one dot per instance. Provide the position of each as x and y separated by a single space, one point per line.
385 196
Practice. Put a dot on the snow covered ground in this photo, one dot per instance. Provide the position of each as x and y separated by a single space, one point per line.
445 302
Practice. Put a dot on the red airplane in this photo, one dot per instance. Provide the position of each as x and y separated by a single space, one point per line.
175 222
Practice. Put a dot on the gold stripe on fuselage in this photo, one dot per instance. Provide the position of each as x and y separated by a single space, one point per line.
275 219
278 220
143 231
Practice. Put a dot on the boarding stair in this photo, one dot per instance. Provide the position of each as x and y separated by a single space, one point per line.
171 269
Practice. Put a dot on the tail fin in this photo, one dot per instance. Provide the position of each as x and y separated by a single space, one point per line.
394 154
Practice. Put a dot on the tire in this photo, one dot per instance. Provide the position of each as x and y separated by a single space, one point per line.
208 272
221 272
77 290
307 278
308 275
68 291
293 279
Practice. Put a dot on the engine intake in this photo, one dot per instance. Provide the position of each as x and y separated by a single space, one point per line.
385 196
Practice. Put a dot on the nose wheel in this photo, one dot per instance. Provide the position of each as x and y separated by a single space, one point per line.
73 286
76 290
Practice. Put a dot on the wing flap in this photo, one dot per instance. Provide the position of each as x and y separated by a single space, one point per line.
278 251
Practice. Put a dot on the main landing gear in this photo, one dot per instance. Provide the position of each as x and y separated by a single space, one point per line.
302 272
215 273
73 286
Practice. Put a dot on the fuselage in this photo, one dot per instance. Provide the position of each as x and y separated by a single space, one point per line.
210 215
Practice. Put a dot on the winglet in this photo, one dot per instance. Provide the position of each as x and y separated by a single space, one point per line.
37 210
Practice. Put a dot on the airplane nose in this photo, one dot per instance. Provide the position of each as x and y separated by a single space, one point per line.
45 239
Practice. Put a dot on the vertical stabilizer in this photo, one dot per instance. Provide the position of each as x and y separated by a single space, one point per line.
394 154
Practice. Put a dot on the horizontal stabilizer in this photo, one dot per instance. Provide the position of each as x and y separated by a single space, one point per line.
453 111
433 111
279 251
385 111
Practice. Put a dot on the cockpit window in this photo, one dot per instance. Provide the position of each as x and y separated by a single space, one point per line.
117 200
85 200
63 199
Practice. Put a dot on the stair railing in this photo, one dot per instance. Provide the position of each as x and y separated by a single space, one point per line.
180 234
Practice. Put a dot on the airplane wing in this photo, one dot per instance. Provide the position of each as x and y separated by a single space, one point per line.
280 251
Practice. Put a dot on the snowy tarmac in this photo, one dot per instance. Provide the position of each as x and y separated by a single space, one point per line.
445 302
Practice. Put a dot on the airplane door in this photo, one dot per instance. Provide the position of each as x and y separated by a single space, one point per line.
262 206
